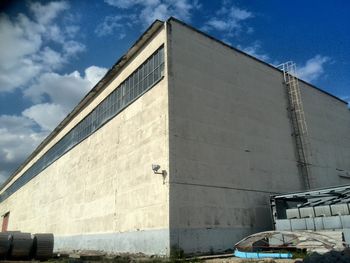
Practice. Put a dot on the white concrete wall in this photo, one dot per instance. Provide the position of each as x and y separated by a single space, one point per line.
103 194
328 121
230 141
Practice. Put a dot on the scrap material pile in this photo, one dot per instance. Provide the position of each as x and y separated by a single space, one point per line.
317 210
283 244
17 245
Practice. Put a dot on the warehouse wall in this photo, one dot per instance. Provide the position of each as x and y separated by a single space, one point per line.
230 142
328 121
103 194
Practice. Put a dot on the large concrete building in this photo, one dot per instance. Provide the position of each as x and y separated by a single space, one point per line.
219 123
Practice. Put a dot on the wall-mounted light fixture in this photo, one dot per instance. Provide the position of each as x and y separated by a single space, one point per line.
155 168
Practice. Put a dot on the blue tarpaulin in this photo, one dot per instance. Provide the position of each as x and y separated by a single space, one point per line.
241 254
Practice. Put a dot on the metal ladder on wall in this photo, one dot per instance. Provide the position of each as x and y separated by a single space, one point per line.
300 132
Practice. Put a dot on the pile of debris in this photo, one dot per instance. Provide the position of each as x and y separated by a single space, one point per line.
329 257
285 244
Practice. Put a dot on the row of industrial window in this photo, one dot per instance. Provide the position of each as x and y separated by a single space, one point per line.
143 78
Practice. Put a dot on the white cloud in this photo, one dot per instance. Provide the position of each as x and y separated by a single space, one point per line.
19 40
217 24
239 14
178 8
46 115
71 48
130 3
48 59
64 90
313 68
19 135
22 33
24 50
93 74
228 19
45 14
148 11
255 51
115 25
151 13
71 30
30 50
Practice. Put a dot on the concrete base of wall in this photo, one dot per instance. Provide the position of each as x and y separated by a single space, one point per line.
203 240
149 242
156 242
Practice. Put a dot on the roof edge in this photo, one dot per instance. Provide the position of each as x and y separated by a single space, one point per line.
246 54
92 94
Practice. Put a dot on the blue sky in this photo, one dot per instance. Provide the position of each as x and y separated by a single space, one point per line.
53 52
